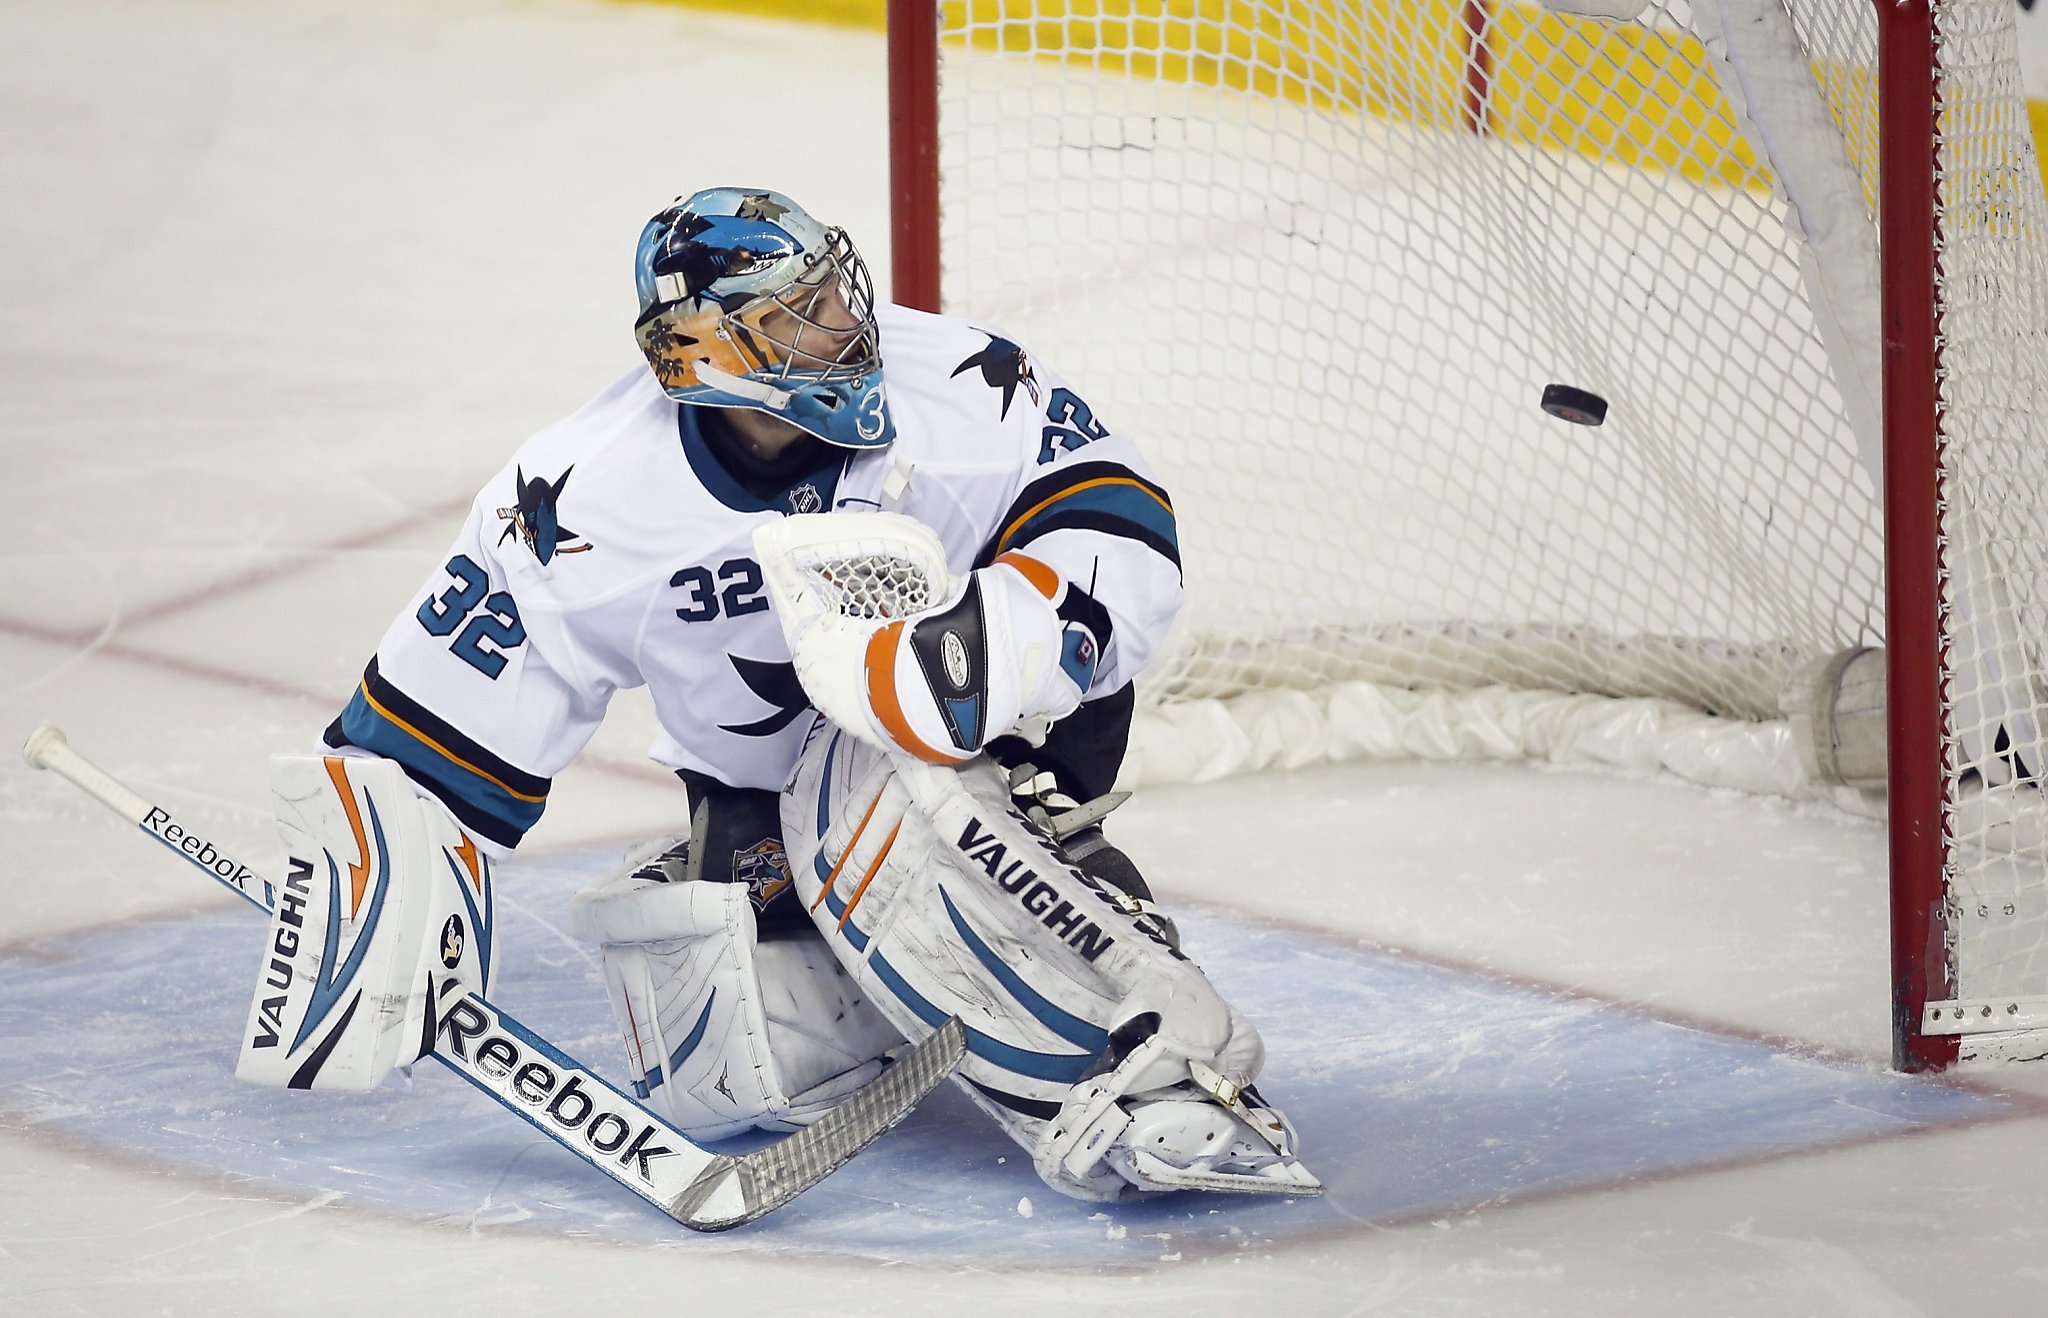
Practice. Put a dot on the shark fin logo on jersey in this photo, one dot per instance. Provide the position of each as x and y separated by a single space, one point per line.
777 685
764 868
536 519
1003 366
806 499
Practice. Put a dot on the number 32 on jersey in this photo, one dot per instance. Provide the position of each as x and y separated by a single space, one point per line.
481 638
735 589
1073 426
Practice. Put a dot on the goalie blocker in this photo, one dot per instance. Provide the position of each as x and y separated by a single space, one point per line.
384 914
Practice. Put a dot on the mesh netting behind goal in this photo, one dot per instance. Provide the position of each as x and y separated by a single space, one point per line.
1322 258
1326 283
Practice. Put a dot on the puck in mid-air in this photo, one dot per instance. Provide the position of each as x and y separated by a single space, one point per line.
1577 406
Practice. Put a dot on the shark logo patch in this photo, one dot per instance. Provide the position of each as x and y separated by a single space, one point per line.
764 868
536 519
1003 366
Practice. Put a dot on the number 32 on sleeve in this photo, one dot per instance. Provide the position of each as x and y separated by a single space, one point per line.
497 626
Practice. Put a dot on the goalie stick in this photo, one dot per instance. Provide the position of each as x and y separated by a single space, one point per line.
559 1096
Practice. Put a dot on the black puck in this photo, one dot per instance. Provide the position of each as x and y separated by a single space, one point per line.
1577 406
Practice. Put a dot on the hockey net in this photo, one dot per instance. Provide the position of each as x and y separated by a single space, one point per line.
1322 257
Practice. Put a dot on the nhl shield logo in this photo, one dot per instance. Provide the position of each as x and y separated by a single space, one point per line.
806 499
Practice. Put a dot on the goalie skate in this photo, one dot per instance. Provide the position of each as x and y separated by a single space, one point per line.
1201 1134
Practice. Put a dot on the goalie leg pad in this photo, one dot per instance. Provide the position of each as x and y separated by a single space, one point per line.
726 1031
943 901
385 912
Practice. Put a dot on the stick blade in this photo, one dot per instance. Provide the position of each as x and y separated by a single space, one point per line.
737 1189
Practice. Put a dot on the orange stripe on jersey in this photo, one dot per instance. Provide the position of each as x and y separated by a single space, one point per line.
869 877
1042 578
881 677
1017 523
445 753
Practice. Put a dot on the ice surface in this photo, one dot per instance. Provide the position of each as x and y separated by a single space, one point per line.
280 284
1418 1090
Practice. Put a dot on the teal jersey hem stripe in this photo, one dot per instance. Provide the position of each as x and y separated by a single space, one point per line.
1110 504
477 802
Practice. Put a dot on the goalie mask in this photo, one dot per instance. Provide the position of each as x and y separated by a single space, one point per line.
747 301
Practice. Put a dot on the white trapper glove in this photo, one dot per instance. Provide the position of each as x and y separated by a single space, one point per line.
896 650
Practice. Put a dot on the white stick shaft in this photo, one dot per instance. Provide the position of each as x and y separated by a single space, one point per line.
47 749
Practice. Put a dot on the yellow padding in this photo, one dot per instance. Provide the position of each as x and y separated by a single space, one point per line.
2037 121
871 14
1618 91
1395 58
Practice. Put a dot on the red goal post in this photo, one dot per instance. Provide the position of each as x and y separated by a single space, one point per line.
1907 107
1672 205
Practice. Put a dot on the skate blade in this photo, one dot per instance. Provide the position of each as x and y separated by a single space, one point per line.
1283 1178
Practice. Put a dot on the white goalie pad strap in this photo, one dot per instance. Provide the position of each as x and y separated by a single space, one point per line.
385 911
723 1033
891 646
943 902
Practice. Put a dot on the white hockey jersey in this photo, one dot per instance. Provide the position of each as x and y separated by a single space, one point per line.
614 550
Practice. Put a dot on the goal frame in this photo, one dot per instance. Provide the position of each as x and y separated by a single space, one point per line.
1908 216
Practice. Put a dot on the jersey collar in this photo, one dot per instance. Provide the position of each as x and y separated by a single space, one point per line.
811 492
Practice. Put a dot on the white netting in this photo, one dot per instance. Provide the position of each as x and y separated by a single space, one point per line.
1330 309
1322 256
1993 271
869 584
